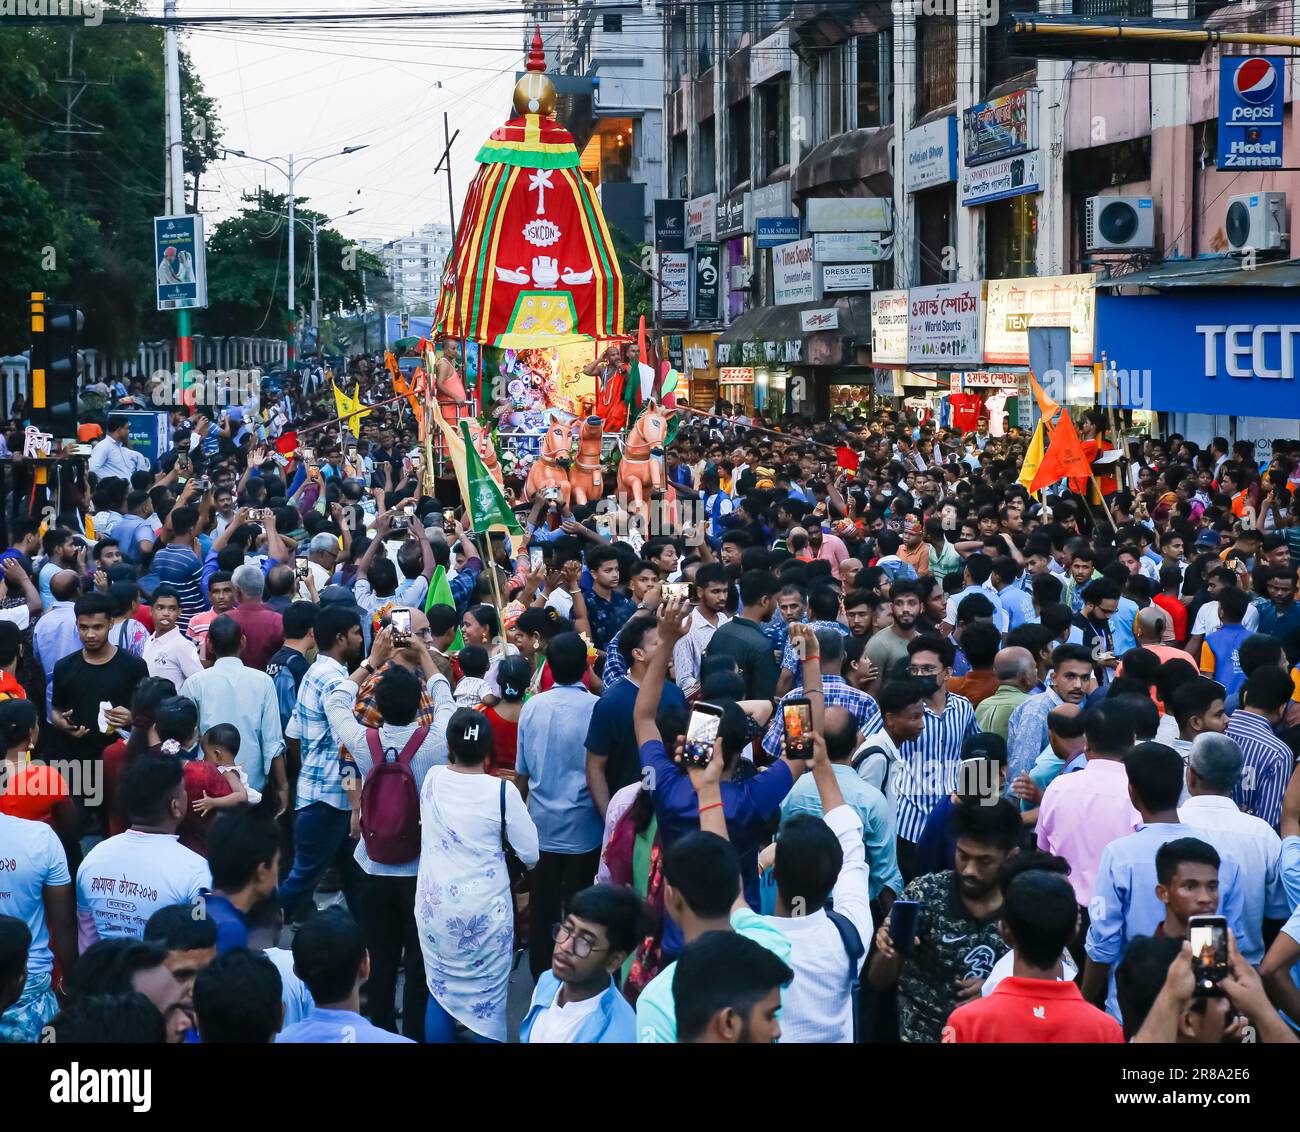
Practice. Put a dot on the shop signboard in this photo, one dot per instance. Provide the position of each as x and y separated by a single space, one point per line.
944 324
889 328
1000 127
795 278
702 219
1014 305
851 247
998 180
847 277
736 375
849 214
1224 353
930 154
773 231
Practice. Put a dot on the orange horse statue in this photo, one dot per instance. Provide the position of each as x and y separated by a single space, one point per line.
640 471
486 450
546 471
586 479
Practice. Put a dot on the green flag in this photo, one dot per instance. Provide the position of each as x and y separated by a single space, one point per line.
488 509
440 594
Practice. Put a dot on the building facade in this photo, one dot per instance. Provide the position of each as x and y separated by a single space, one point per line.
856 149
414 263
605 58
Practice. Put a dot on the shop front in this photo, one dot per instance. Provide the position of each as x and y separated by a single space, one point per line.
1213 361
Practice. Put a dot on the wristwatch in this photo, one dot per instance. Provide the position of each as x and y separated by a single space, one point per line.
368 666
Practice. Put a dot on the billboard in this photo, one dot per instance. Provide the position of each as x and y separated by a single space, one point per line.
1251 93
180 265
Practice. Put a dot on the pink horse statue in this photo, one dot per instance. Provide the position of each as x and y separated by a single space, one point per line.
546 471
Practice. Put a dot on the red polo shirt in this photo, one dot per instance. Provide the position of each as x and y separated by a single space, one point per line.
263 633
1032 1010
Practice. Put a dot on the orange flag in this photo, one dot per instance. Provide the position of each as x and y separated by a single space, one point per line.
1064 456
1046 405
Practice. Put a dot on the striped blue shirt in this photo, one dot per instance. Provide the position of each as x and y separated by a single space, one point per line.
790 661
321 776
932 760
837 692
179 566
1266 766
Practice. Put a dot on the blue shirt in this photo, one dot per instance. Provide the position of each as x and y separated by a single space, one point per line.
1223 644
54 637
1124 902
130 531
1121 626
614 1020
1018 604
879 837
611 735
551 756
339 1027
606 615
232 933
749 807
179 566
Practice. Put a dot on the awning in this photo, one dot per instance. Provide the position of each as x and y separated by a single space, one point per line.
847 158
774 334
1219 271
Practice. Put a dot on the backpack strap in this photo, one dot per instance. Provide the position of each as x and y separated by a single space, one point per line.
376 748
851 938
413 745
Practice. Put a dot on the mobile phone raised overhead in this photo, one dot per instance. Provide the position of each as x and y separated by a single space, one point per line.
701 732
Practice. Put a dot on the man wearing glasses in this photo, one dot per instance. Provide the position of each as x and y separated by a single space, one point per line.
577 1000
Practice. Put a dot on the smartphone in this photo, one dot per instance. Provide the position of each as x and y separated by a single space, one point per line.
536 558
259 514
551 494
796 716
1208 936
202 483
904 923
183 462
307 455
448 520
301 568
677 589
701 732
400 621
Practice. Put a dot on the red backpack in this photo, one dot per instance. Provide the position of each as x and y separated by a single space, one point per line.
390 802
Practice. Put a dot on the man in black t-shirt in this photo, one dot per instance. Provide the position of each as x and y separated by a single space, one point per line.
83 680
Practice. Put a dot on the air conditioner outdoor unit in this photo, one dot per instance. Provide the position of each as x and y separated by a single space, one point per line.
1117 223
742 277
1256 221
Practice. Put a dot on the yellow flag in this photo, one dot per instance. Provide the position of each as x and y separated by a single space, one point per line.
1033 457
350 408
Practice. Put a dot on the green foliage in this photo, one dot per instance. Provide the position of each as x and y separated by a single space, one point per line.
76 209
248 260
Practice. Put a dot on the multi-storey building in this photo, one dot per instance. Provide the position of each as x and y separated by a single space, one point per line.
414 263
605 58
852 148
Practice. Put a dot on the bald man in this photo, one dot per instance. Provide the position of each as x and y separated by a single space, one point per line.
1017 674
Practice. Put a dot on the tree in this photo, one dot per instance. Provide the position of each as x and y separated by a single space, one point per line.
248 258
90 194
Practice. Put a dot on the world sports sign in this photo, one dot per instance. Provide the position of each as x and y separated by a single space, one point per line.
1251 93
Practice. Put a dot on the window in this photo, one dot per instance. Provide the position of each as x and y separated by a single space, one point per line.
738 150
936 53
774 125
677 166
705 29
706 157
1011 237
875 60
832 95
734 26
1000 64
612 22
935 212
677 46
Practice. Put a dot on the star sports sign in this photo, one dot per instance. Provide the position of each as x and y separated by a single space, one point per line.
1251 93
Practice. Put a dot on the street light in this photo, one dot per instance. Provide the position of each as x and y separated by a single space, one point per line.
315 265
291 174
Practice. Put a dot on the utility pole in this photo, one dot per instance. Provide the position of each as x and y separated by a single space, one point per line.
176 182
71 81
293 312
447 138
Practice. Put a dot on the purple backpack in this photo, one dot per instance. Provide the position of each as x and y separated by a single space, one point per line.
390 802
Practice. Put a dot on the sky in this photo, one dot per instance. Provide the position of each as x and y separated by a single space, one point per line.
311 91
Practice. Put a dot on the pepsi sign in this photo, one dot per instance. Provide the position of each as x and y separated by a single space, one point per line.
1251 93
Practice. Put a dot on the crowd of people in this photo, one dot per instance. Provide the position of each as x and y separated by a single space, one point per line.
847 737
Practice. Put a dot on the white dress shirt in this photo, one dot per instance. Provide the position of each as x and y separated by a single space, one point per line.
1257 850
109 458
689 651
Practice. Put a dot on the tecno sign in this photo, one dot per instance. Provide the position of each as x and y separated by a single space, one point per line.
1266 350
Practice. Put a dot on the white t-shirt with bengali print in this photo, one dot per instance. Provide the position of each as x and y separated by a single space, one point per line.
126 879
31 858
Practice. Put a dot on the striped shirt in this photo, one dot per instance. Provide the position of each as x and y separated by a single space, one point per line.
689 651
931 763
179 566
321 776
837 692
1266 766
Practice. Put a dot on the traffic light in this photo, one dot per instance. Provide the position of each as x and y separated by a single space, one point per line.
54 361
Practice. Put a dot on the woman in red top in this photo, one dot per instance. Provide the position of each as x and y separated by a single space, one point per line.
32 790
514 676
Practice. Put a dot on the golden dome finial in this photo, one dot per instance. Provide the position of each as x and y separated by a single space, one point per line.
534 92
